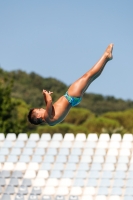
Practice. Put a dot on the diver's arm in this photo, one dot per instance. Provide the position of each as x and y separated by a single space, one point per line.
48 101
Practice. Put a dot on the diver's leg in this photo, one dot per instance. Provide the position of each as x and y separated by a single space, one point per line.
79 87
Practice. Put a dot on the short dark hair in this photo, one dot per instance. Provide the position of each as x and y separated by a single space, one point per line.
32 117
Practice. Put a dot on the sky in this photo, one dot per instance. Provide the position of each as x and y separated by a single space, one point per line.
64 38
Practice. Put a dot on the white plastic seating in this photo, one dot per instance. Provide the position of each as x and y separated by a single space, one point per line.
2 137
116 137
11 136
57 136
92 137
70 168
127 137
104 137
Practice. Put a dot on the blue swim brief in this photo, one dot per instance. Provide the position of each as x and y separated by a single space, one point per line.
74 101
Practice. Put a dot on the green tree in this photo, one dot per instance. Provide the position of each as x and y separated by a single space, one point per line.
6 105
12 114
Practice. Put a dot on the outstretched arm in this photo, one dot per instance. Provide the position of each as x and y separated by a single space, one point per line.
48 101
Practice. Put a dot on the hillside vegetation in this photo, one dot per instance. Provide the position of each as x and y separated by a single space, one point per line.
20 91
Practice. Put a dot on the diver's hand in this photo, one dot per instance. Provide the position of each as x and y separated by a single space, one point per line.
47 95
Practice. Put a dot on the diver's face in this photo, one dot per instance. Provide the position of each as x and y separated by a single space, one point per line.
39 112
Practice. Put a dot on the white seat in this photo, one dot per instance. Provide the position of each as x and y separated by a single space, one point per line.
12 159
22 137
4 151
7 144
45 137
76 151
120 175
39 151
8 166
102 144
88 152
39 182
103 190
118 183
62 191
92 182
129 191
116 191
130 167
59 166
52 151
112 152
34 137
87 197
126 145
20 166
27 151
109 166
121 167
2 137
89 191
105 183
100 152
104 137
86 159
116 137
81 174
16 151
73 159
42 174
76 191
57 136
46 166
31 144
110 159
114 197
54 144
33 166
114 144
107 174
56 174
94 174
30 174
68 174
49 159
83 166
19 144
92 137
80 137
11 136
69 166
78 144
69 137
98 159
49 191
2 159
25 158
127 137
43 144
66 144
90 144
65 182
123 159
64 151
125 152
52 182
101 197
96 167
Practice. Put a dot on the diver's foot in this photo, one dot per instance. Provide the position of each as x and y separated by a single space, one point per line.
108 52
